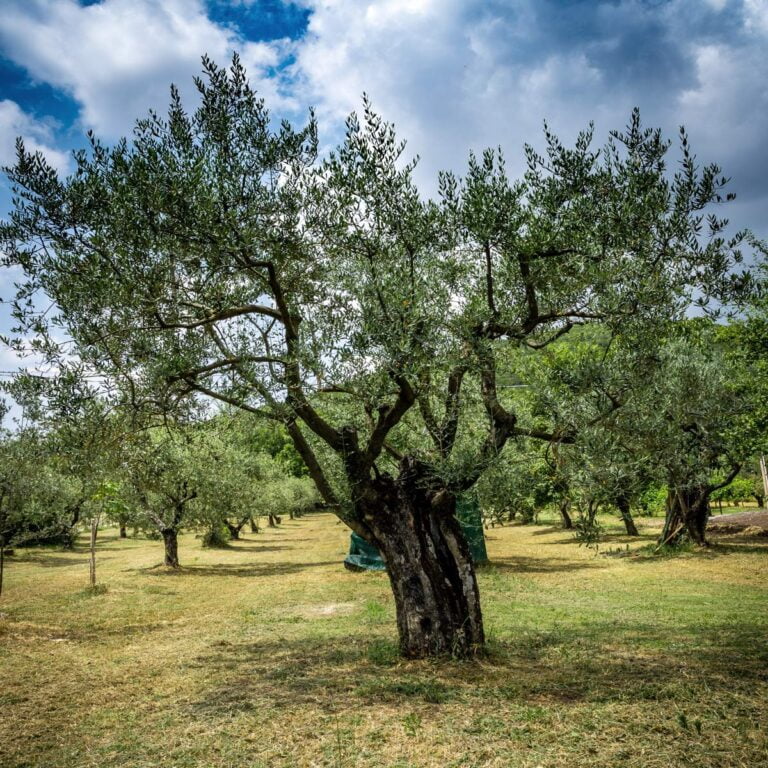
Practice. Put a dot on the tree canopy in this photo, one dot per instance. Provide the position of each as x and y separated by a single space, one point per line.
216 254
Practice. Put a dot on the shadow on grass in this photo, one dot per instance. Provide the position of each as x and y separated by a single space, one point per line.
744 544
238 545
536 669
520 564
254 538
233 569
542 530
48 560
652 553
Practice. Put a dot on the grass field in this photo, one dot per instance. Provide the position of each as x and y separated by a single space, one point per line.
271 654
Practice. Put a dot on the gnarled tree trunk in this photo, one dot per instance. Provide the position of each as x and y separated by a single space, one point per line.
170 539
123 531
430 568
622 503
564 507
235 528
687 516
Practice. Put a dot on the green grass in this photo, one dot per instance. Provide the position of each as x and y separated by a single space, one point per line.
271 654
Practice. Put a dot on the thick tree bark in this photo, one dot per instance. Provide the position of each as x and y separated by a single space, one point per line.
123 531
254 526
234 530
626 516
170 539
564 508
429 566
687 516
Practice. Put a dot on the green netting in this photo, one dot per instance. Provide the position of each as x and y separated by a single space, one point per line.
471 520
365 557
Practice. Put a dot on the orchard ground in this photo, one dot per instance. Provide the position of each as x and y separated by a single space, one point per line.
270 654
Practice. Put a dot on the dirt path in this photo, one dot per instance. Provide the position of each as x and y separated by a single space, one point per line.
739 521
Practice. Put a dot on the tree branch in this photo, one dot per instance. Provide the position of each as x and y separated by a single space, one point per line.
194 385
388 418
225 314
219 364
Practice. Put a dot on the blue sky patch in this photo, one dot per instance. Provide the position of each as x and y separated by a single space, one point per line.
39 99
262 20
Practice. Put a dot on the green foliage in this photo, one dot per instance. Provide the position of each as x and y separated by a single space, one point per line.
216 537
39 503
215 254
112 499
653 500
272 439
163 466
587 528
739 489
517 486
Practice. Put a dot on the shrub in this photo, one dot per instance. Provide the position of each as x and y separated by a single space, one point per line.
216 537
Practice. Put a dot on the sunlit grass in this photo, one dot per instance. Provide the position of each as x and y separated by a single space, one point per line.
271 654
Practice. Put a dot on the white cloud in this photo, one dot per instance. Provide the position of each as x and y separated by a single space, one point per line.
117 58
37 135
727 113
452 76
457 75
756 13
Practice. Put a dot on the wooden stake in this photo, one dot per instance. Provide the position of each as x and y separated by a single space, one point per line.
669 538
94 529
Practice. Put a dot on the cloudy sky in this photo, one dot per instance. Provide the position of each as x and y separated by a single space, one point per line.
451 74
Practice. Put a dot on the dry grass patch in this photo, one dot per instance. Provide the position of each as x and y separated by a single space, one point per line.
271 654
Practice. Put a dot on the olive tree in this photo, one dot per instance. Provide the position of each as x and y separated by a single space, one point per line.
40 502
690 424
215 254
231 484
164 466
673 411
517 486
586 381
